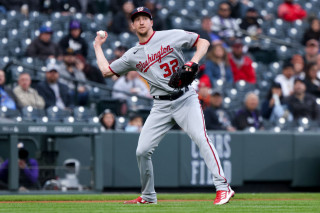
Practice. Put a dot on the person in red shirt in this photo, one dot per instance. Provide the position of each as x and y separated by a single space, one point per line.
241 64
204 88
290 12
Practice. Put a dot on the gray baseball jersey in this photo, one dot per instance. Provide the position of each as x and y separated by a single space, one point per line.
157 59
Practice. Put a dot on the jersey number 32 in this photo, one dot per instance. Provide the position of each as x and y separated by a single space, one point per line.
166 67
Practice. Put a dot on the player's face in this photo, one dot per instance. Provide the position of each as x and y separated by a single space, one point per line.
142 25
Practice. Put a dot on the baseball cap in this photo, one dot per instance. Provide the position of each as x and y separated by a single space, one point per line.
276 85
312 42
237 42
140 10
74 24
45 29
52 67
298 80
68 51
216 92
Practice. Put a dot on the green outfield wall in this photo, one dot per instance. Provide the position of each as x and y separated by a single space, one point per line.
108 159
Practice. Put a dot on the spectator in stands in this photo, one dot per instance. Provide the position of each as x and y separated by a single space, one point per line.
129 83
135 123
88 7
67 7
298 66
7 97
107 120
27 96
121 21
206 32
274 107
286 79
313 32
241 64
311 51
49 6
116 5
250 22
217 65
215 116
302 104
225 26
28 171
204 88
289 11
158 23
53 92
69 70
92 73
73 40
311 80
250 115
43 47
238 8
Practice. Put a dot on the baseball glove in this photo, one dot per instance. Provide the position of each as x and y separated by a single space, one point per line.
184 76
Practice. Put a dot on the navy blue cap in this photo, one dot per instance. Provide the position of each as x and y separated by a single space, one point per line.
140 10
45 29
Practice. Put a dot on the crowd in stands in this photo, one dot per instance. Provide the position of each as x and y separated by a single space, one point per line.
231 79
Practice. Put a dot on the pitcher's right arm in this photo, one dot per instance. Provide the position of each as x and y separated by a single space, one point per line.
102 62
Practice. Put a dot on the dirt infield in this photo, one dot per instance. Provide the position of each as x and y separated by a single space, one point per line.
159 201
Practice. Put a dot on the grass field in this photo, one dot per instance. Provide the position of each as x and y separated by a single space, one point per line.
171 203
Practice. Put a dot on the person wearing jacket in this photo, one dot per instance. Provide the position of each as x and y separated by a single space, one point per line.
43 47
241 64
53 92
217 65
73 40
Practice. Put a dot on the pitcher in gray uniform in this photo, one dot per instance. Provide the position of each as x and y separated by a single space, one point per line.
155 58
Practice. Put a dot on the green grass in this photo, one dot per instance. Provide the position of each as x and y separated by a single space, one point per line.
280 202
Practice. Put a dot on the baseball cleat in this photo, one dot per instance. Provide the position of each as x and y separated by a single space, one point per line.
223 197
139 200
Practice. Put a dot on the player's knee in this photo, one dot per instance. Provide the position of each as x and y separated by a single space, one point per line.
143 152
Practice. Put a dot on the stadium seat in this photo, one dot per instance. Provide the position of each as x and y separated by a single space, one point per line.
83 114
4 47
57 36
31 114
135 103
115 105
13 18
9 113
57 115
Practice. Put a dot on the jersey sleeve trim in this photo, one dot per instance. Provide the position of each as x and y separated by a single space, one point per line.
114 72
148 39
194 44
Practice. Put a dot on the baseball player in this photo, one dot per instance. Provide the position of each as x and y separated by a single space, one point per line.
157 56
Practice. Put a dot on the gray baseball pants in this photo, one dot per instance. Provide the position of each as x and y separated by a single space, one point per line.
187 113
